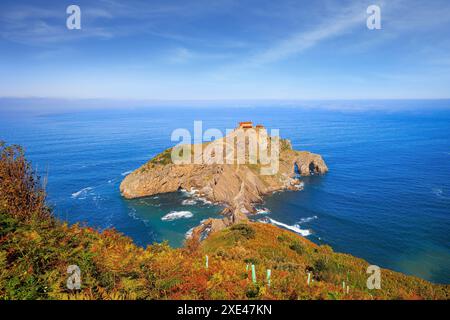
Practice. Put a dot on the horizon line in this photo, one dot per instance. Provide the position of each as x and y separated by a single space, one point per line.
218 99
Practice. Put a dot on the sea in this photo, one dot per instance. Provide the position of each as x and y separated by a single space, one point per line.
386 197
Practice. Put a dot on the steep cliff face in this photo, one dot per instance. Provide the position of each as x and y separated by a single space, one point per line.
237 186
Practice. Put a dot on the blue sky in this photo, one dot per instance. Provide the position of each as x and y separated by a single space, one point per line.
225 49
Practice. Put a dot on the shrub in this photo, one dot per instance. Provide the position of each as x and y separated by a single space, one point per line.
297 247
163 158
21 194
251 260
320 268
243 230
326 269
252 291
283 238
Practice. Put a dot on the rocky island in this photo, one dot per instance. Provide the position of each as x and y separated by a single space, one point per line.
238 186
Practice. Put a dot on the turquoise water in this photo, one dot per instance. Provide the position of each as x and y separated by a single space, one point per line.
386 198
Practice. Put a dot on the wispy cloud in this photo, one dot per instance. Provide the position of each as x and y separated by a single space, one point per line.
302 40
338 21
34 25
183 55
37 23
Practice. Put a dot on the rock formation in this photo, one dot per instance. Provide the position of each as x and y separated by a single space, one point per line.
237 186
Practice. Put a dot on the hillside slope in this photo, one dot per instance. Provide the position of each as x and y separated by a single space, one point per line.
34 257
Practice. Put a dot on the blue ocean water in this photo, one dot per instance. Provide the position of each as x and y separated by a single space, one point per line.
386 197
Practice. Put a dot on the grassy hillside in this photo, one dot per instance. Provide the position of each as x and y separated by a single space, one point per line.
36 249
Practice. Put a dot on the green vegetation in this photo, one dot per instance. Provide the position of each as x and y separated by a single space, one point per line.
163 158
242 230
285 145
36 249
297 247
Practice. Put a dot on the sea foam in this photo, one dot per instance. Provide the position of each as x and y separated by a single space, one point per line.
308 219
174 215
204 200
188 202
189 233
262 211
296 227
83 191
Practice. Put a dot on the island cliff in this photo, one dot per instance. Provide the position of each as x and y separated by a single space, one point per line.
237 186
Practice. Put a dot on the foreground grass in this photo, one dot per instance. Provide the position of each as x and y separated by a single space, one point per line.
36 250
34 258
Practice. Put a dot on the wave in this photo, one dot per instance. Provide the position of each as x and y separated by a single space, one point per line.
194 197
113 180
308 219
299 186
204 200
296 227
262 211
174 215
192 192
438 192
126 173
189 233
188 202
83 191
132 213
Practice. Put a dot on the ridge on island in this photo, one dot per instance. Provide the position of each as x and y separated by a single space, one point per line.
238 186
